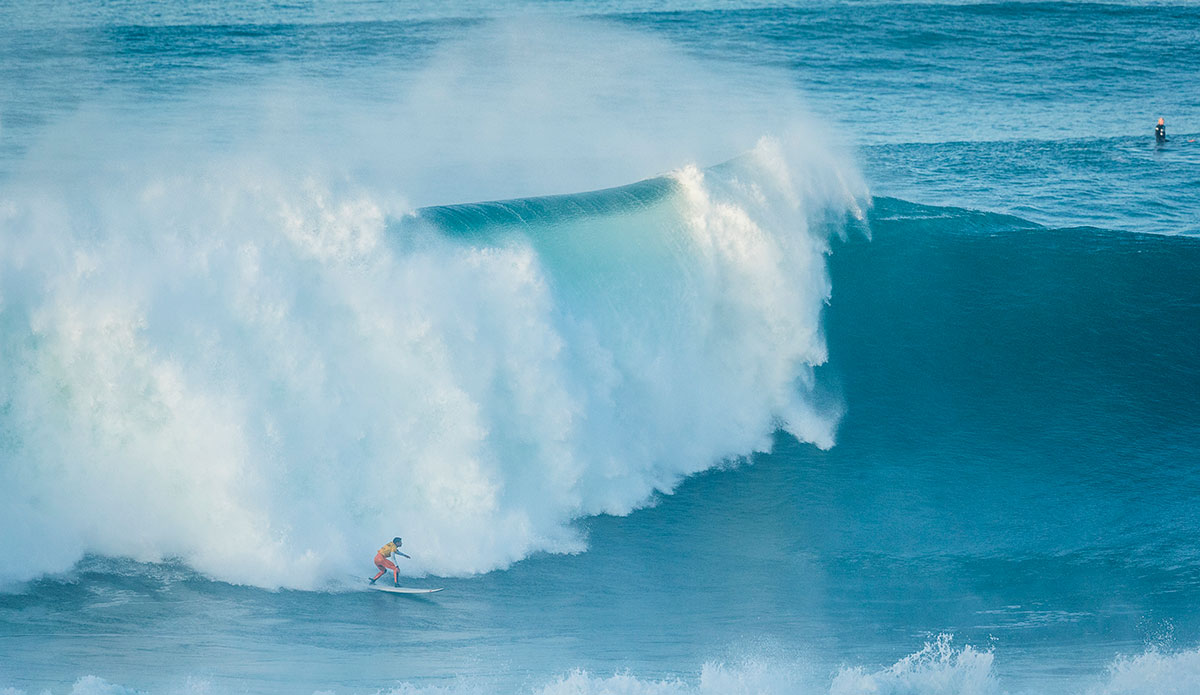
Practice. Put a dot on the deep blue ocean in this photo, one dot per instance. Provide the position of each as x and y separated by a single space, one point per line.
841 347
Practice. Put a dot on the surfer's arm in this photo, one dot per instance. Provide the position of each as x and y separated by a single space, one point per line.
402 554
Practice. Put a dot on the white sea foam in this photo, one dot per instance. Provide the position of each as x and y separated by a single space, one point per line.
937 669
1152 672
235 356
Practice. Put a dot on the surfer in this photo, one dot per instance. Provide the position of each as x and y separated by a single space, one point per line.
1160 132
384 564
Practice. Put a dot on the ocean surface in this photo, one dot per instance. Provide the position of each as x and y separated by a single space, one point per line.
718 347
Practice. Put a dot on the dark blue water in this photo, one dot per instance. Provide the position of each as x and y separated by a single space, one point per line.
876 372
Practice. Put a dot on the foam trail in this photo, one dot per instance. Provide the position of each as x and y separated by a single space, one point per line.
263 369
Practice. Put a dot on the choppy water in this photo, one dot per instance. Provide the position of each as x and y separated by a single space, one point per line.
835 348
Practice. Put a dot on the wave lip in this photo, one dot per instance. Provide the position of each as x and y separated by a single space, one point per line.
548 210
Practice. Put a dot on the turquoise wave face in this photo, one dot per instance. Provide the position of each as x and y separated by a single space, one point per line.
1035 385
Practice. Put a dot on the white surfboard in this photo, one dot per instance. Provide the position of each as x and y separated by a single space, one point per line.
385 584
401 589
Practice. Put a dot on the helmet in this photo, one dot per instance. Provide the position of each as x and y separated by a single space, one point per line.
396 540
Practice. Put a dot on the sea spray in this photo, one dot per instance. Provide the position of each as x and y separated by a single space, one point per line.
1153 671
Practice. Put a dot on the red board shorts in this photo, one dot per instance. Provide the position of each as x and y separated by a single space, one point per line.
383 563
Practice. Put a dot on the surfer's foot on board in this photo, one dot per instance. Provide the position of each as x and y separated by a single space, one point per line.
372 581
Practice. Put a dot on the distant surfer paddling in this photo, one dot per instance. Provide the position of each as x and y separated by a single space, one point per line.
384 564
1160 132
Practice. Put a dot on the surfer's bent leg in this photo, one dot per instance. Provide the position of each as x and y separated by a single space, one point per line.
384 565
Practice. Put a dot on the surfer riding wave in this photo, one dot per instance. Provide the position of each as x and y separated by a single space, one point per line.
384 564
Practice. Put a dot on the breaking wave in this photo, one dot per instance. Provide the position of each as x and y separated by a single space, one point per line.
262 367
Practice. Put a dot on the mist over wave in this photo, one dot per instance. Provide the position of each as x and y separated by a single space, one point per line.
244 351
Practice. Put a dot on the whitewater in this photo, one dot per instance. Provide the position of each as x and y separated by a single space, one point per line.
189 373
744 348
